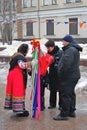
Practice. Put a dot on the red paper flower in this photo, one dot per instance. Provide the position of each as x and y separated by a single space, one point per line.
34 43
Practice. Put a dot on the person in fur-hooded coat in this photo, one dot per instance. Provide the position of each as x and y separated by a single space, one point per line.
16 82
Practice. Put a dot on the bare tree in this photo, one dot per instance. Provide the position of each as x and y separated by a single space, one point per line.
8 12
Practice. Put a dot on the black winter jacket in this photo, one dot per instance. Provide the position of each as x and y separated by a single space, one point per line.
53 77
68 67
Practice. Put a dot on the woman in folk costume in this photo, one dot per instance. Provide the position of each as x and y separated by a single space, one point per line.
16 82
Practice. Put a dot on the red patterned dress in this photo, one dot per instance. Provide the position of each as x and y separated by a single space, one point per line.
16 85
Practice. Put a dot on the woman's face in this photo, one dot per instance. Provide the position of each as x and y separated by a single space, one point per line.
50 49
27 52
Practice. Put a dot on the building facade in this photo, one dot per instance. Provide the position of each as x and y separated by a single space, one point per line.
51 19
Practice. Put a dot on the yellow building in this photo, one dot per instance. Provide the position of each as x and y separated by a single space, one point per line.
51 19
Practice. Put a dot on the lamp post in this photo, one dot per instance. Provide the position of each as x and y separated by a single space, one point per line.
38 15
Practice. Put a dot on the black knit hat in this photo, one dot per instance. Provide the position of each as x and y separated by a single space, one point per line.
23 48
50 43
68 38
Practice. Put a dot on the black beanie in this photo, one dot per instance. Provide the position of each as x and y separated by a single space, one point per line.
23 48
50 43
68 38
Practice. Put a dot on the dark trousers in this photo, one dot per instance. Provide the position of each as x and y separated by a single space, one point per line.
53 97
68 97
59 103
42 97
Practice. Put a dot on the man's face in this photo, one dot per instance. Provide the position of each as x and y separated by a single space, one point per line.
50 48
65 43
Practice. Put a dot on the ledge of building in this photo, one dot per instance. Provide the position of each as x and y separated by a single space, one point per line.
7 58
83 62
2 48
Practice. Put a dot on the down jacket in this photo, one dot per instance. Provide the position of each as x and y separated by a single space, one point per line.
68 67
53 77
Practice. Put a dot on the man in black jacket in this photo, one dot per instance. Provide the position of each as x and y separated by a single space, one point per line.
53 77
69 74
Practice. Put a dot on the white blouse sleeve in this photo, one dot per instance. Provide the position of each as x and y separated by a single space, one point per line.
22 64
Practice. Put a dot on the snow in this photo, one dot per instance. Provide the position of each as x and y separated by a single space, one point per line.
11 49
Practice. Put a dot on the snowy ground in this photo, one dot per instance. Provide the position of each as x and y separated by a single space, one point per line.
10 49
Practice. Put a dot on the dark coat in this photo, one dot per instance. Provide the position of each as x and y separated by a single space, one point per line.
68 67
44 80
53 77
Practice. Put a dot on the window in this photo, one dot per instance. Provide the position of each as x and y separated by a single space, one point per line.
45 2
72 1
14 5
73 26
50 27
69 1
54 2
77 0
29 28
33 2
24 3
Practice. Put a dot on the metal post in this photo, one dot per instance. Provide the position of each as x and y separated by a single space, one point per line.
38 15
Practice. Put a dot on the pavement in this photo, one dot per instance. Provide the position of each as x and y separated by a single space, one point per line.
9 121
